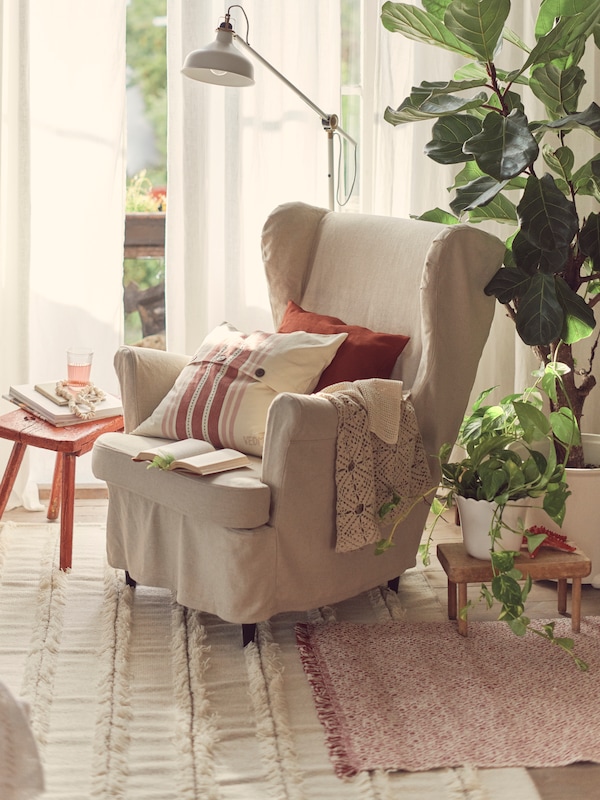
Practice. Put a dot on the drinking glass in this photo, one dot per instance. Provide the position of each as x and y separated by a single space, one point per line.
79 366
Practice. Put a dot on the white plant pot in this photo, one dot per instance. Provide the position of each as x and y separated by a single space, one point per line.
476 517
581 525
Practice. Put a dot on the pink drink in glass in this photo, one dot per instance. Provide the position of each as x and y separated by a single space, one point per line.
79 365
78 374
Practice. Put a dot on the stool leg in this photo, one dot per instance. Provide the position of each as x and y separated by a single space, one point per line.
10 474
462 602
66 519
54 504
576 605
451 599
562 595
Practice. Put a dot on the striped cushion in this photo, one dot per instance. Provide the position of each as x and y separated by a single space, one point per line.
223 395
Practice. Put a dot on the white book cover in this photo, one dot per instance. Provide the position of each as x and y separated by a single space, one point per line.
26 396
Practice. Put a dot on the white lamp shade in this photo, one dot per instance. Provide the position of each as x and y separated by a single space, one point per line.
219 62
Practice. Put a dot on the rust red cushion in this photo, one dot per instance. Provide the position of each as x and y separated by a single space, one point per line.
364 353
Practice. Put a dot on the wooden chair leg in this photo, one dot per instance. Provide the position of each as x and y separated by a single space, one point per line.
67 510
248 633
129 580
10 473
56 493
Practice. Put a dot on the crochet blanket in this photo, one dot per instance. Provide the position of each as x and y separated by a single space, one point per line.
379 452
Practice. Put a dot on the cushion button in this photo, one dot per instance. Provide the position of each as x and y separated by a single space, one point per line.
219 358
259 372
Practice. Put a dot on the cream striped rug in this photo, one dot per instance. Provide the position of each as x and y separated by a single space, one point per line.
133 696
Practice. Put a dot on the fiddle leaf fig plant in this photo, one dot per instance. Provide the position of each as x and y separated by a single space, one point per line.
516 168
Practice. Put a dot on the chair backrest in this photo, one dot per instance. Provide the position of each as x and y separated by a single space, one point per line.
422 279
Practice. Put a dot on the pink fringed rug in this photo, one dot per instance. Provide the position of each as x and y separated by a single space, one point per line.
417 696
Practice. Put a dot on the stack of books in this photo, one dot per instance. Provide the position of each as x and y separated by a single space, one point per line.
41 400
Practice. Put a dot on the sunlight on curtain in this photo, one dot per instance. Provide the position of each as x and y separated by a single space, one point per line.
237 153
14 218
63 210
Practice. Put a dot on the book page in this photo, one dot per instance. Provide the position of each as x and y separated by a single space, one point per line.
182 449
217 460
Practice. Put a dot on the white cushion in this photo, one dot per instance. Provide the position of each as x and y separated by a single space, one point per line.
223 394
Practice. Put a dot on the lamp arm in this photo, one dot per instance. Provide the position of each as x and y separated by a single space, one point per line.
329 121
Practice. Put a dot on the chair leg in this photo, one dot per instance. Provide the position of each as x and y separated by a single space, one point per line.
248 633
394 583
129 580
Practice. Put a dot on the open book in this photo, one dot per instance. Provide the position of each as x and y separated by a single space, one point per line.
193 455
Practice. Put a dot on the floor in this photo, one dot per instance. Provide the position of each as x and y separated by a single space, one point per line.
564 783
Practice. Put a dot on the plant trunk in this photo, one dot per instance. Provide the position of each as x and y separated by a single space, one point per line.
572 396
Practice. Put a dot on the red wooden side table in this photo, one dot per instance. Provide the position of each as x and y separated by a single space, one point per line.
23 428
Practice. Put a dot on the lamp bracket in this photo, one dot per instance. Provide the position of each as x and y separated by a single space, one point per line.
330 123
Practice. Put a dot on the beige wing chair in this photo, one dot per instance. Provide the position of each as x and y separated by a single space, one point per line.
248 544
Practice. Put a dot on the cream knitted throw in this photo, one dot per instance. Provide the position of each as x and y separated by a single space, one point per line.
379 452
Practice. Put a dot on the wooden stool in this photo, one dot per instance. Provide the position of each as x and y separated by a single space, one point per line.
23 428
463 569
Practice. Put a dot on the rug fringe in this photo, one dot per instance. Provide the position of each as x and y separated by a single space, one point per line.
464 783
196 730
6 530
40 668
327 715
273 731
111 741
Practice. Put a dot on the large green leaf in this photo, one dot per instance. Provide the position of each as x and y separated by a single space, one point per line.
416 24
525 253
534 422
499 209
449 135
564 426
558 89
587 178
589 118
436 7
479 24
551 10
560 160
476 193
540 315
579 319
508 283
589 239
439 215
431 100
547 218
562 40
505 146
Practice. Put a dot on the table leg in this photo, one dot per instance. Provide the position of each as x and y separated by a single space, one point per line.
462 602
451 599
66 519
54 504
10 474
576 605
562 595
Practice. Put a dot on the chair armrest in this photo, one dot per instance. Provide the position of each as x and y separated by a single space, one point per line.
145 377
299 453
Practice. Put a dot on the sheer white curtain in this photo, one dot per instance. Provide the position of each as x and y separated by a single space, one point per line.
62 179
237 153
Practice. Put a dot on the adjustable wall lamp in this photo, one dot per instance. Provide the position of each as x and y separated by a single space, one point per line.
222 63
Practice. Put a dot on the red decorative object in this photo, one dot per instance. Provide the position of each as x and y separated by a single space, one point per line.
554 540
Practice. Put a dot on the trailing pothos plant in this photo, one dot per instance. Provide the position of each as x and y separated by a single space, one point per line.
509 454
517 168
